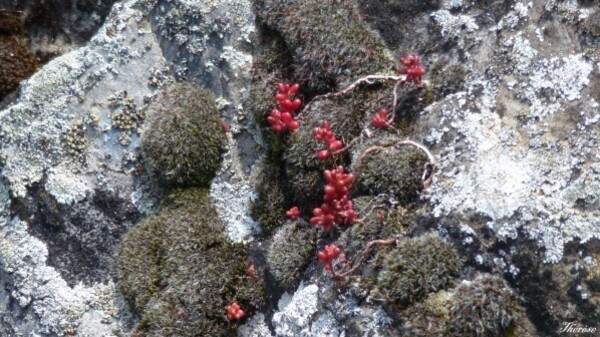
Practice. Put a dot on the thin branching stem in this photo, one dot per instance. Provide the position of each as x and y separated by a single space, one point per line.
363 256
367 79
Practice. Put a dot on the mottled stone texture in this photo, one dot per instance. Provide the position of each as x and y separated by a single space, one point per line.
509 112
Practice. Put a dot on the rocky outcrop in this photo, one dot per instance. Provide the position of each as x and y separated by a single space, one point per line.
509 112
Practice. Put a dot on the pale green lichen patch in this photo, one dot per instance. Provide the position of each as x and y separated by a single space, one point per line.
127 118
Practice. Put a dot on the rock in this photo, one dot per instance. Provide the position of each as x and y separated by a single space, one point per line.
78 192
509 111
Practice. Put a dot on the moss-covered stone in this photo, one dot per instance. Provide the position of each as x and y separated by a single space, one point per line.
183 139
416 268
443 78
271 65
306 186
292 250
396 171
330 42
395 19
379 220
484 307
272 200
181 261
347 116
139 262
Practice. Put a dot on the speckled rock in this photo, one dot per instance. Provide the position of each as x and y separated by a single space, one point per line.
72 182
514 134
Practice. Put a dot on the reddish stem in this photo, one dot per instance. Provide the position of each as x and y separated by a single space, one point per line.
363 256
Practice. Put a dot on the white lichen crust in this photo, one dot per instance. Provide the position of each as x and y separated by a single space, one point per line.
519 146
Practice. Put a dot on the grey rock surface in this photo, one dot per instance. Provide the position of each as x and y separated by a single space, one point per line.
71 182
517 187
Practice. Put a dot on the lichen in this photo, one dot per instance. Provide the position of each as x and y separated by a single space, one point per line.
77 141
128 118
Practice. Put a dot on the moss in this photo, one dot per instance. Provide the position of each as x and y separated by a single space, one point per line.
379 221
430 317
446 78
484 307
395 19
292 250
347 116
416 268
140 261
331 43
182 141
396 171
443 79
272 201
17 62
181 259
272 65
306 186
10 23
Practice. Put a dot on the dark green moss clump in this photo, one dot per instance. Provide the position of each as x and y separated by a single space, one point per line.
272 200
183 138
330 42
397 171
17 62
292 250
181 259
271 65
416 268
346 116
484 307
379 221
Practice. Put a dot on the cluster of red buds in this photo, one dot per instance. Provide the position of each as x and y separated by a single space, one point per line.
293 213
337 207
412 69
328 254
283 118
380 119
234 312
325 135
